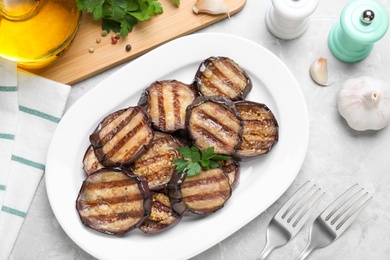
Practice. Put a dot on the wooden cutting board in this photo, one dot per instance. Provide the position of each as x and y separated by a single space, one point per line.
77 63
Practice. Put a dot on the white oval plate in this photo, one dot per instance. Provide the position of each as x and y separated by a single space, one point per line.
262 181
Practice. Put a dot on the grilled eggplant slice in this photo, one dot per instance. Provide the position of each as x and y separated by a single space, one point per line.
214 121
122 137
162 216
156 164
221 76
261 130
113 201
91 162
166 102
201 194
232 169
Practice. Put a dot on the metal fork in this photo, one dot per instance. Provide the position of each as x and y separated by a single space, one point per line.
291 217
335 219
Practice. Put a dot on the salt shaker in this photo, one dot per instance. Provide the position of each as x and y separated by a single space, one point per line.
289 19
361 24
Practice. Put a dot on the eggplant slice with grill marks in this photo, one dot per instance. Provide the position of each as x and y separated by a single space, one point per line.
162 215
91 162
201 194
232 169
261 130
156 164
166 102
221 76
113 201
214 121
122 137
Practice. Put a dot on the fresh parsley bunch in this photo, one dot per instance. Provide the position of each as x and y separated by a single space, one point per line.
121 15
193 160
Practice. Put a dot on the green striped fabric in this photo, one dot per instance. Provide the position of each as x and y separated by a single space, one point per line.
6 136
14 211
26 128
28 162
39 114
8 89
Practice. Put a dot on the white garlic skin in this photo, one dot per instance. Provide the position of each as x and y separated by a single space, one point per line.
210 7
319 71
364 102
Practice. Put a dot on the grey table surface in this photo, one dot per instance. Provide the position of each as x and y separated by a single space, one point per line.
337 156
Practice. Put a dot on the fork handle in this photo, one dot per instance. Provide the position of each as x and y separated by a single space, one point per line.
267 249
307 251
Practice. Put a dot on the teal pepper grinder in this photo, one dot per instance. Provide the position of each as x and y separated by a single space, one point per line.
362 23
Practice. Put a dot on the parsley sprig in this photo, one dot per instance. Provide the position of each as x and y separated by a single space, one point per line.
193 160
121 15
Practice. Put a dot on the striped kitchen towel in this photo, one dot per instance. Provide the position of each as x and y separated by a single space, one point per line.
30 109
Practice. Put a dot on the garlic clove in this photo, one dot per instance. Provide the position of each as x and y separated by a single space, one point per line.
210 7
364 102
319 71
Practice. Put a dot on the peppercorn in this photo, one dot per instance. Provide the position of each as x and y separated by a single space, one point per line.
114 40
104 33
128 47
91 50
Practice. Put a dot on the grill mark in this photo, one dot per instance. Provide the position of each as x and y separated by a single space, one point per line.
210 137
118 128
162 207
110 184
223 110
262 139
260 129
225 80
176 105
216 123
135 150
122 142
265 121
233 68
112 201
204 181
207 196
211 87
160 104
114 217
258 145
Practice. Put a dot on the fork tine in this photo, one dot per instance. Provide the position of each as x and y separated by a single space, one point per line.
299 207
347 205
348 219
308 208
344 210
302 201
332 208
288 205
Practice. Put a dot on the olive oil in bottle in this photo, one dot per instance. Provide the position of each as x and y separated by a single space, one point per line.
35 32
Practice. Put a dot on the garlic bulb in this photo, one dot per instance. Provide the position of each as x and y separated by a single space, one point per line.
319 71
365 103
210 7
